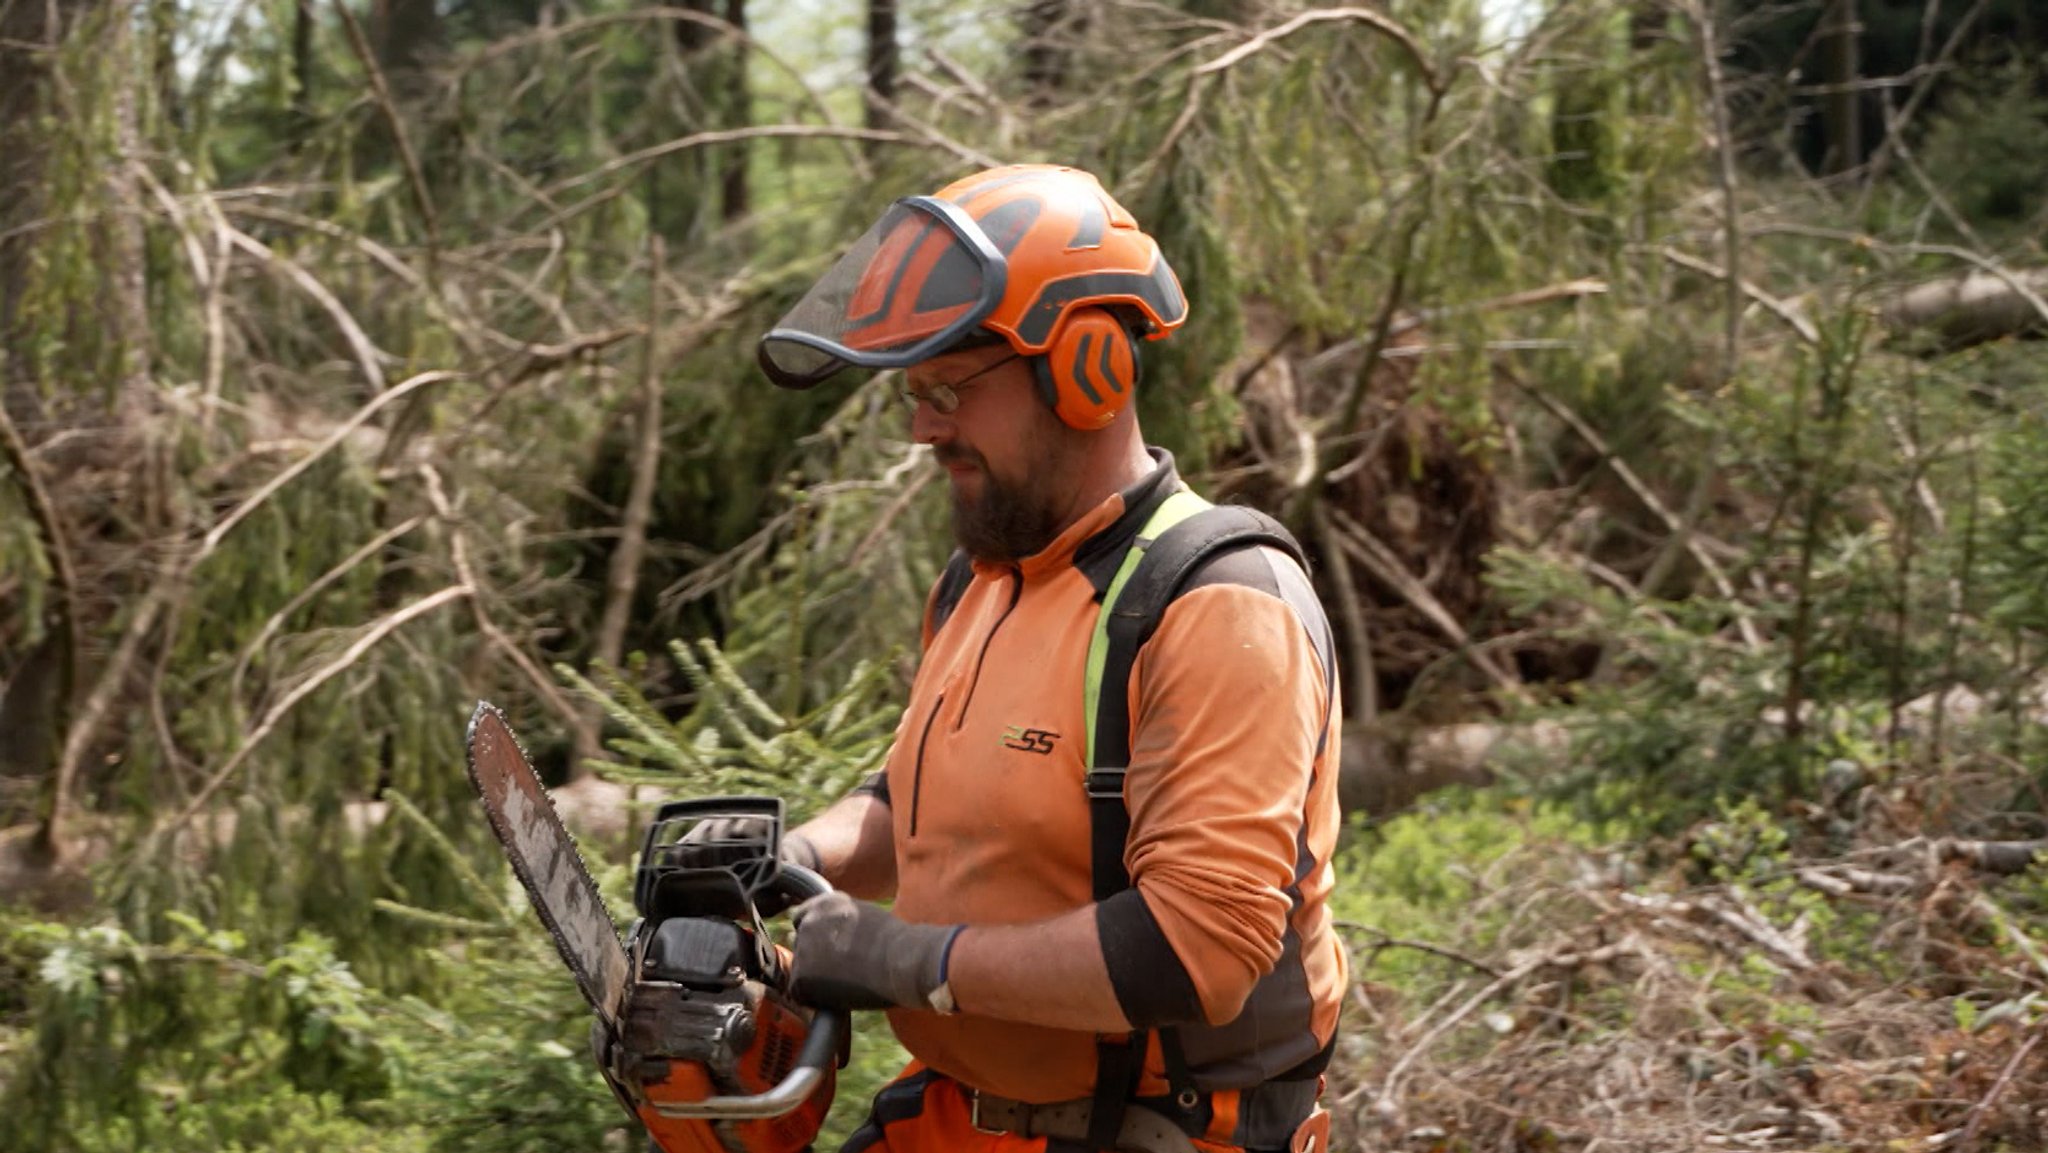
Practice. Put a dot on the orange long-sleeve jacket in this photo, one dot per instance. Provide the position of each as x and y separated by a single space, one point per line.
1232 791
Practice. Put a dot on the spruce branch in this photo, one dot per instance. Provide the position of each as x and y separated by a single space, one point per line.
369 639
443 922
313 589
410 813
653 737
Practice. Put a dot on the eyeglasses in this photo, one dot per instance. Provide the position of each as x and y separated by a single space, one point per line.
945 398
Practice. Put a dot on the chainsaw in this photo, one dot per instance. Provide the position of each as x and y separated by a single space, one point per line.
695 1030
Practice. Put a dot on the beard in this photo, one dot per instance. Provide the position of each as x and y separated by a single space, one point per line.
1006 521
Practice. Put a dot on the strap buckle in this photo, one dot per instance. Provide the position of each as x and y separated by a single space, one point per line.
1105 784
974 1116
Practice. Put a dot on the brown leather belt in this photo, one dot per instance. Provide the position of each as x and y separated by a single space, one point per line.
1143 1130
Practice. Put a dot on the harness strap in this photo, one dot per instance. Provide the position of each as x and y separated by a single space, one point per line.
1182 534
1118 1062
1171 546
953 582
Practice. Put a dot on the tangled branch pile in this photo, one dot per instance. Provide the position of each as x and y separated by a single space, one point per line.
1753 992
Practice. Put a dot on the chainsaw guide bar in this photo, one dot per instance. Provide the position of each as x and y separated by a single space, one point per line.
544 857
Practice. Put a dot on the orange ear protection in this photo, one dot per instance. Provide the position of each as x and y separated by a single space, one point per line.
1088 374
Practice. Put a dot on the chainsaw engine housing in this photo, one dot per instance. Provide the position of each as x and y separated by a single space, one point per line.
707 1018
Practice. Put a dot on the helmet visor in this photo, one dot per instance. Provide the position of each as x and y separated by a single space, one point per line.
919 280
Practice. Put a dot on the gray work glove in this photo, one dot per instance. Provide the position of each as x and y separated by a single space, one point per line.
856 955
713 842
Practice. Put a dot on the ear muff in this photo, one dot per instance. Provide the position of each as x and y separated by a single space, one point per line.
1089 373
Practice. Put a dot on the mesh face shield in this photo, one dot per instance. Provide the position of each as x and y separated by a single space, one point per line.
913 285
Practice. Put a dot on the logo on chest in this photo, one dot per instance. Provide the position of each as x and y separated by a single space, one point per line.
1026 740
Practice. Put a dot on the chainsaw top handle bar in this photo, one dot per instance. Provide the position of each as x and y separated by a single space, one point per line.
813 1061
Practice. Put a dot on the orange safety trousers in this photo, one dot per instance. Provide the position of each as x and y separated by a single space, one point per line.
924 1112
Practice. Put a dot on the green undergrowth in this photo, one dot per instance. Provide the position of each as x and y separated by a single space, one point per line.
1431 875
208 1043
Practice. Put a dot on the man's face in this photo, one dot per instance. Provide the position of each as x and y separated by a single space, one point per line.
1008 458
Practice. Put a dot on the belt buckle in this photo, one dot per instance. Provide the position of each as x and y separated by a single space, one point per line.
974 1116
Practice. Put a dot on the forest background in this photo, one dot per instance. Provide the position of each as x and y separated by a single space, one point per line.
1650 380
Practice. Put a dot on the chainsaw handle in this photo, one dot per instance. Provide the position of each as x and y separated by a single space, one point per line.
813 1062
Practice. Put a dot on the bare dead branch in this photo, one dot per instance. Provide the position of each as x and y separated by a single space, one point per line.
1930 71
1978 1111
730 135
1378 21
1842 880
1200 78
377 631
1643 493
1771 304
1732 911
1576 289
1360 544
341 433
306 595
906 493
368 356
1385 1104
1385 940
571 28
458 546
447 308
548 357
1357 633
381 93
931 134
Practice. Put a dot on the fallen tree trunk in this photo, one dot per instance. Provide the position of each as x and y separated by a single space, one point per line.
1975 308
1387 767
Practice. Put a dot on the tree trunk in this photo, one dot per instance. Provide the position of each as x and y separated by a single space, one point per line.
28 32
107 382
1841 113
722 99
302 73
691 35
406 35
32 704
163 66
1046 28
127 267
622 577
738 111
884 58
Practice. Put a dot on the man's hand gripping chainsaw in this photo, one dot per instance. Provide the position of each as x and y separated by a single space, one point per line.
695 1030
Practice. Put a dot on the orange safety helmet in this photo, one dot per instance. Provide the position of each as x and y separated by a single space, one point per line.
1038 255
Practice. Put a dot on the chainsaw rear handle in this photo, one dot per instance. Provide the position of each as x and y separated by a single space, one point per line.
813 1061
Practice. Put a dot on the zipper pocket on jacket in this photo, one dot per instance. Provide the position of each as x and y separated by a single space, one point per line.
917 772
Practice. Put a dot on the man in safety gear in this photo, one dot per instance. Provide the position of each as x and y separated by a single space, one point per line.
1179 991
